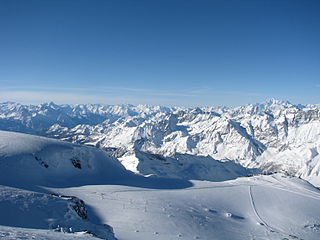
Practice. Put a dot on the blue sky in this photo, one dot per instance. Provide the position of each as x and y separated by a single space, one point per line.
166 52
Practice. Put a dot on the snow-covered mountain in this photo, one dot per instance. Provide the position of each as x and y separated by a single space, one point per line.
29 165
31 160
57 190
272 136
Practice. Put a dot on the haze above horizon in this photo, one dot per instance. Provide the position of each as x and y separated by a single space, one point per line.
183 53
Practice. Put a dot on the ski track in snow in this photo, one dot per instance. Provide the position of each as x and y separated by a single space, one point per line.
314 194
273 185
285 188
259 218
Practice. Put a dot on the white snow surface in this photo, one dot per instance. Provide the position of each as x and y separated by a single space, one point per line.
63 201
43 161
29 215
261 207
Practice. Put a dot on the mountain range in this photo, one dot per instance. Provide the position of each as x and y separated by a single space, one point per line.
274 136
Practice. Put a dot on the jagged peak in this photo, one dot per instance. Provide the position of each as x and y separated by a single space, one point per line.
275 101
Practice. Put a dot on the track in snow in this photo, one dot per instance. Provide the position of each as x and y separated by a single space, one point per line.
263 222
254 208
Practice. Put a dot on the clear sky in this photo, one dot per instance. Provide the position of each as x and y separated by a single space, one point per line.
166 52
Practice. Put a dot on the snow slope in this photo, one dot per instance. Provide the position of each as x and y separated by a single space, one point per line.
261 207
37 160
40 206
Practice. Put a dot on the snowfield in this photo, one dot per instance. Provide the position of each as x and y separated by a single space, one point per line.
57 190
263 207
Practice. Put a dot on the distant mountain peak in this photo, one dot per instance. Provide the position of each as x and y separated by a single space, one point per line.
275 101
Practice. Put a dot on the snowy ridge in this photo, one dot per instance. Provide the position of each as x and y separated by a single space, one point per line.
183 166
272 136
31 160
